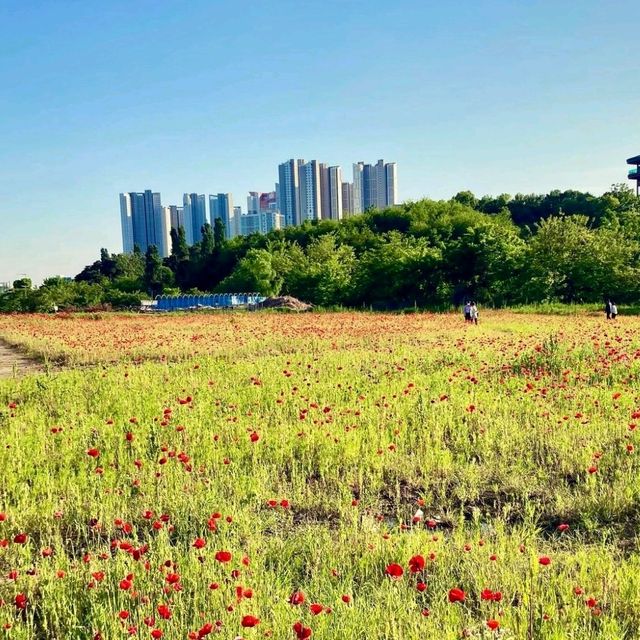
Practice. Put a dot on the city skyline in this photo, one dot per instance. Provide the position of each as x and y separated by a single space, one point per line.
492 96
307 191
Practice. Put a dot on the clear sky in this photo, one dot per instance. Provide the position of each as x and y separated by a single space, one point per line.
103 96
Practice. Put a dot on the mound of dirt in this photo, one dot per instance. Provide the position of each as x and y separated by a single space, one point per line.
285 302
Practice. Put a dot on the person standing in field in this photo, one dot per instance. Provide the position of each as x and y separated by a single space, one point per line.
474 313
614 311
607 309
467 311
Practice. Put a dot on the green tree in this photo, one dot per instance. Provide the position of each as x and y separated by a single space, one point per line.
484 260
572 262
179 247
218 233
467 198
208 243
23 283
153 271
254 273
400 272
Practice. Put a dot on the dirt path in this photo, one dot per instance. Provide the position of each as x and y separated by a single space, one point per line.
12 362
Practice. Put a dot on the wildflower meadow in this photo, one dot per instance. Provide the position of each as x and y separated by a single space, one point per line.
322 475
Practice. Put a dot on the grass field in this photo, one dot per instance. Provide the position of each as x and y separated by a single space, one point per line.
322 475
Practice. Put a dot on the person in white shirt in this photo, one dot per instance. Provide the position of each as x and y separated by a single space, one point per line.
474 313
614 310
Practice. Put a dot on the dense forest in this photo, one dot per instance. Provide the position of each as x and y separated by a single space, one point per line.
564 246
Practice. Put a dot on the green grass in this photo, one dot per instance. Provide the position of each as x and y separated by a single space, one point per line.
490 430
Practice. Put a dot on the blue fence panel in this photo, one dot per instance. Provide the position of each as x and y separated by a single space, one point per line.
215 300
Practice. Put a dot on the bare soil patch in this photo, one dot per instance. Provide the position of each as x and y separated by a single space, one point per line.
13 362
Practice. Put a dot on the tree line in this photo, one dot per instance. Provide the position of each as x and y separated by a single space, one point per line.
565 246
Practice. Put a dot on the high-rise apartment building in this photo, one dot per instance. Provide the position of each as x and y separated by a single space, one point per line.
253 202
347 199
289 191
126 222
358 171
391 183
369 187
381 184
271 220
325 193
257 202
176 216
376 185
144 222
262 214
269 201
250 223
195 215
335 193
221 206
261 222
310 197
237 221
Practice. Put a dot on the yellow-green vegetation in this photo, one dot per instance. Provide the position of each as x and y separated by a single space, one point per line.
370 476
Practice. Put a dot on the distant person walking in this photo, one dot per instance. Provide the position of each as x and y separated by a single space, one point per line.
467 311
607 309
474 313
614 311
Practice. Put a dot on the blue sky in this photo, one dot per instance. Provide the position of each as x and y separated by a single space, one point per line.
99 97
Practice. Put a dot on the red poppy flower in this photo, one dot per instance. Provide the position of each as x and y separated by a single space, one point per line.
20 601
493 624
394 570
302 632
416 564
199 543
544 560
20 538
164 612
205 630
156 633
223 556
254 436
346 598
250 621
297 597
94 453
456 595
562 527
316 608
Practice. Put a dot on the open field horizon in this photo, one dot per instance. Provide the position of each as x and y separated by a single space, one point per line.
324 475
